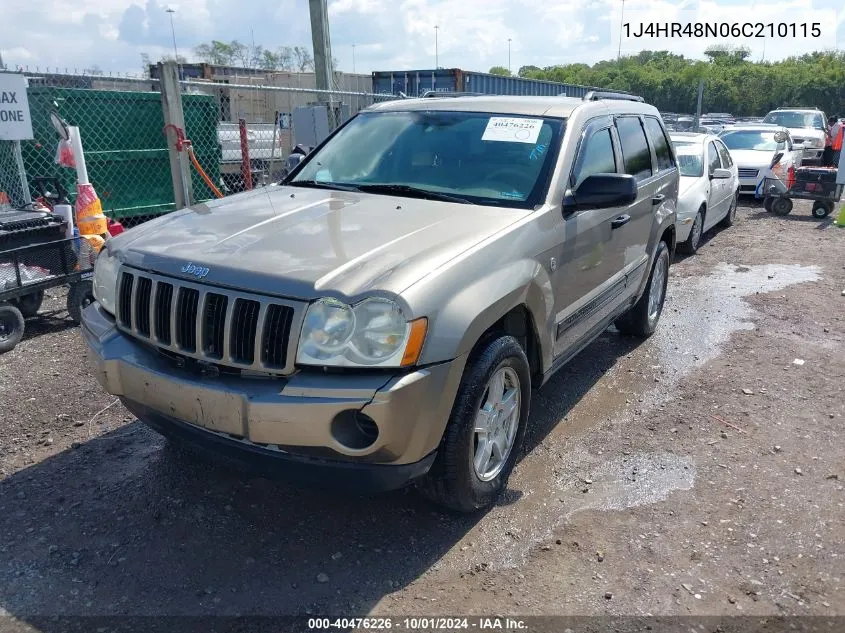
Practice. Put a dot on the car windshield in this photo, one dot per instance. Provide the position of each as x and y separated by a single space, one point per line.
758 140
796 119
690 159
489 159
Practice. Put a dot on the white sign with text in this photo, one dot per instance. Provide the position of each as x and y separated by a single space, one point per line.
15 121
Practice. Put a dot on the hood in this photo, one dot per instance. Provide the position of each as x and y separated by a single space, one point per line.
806 132
752 158
303 243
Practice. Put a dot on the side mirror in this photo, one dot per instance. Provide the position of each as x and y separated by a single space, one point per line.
781 136
720 174
601 191
776 159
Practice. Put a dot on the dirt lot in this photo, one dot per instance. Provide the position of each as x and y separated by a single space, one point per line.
701 472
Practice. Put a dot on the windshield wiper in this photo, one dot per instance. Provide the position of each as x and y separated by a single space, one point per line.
414 192
322 185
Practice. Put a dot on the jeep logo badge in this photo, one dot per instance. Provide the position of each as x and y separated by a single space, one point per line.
197 271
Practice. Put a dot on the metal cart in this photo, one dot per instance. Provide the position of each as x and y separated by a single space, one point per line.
27 271
816 184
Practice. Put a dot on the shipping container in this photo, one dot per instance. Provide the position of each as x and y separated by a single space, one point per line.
415 83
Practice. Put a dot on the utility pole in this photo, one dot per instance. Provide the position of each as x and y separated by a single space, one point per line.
321 42
436 50
621 22
698 104
509 54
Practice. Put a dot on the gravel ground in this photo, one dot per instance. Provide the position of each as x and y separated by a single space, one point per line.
698 473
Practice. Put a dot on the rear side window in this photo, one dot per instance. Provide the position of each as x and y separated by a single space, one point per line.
635 151
727 161
713 162
595 157
661 144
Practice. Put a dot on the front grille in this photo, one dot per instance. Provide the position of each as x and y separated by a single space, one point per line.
227 328
747 173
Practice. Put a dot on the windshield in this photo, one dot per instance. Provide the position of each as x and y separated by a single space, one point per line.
481 158
796 119
690 159
758 140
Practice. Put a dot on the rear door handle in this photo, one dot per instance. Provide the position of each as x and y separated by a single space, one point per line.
658 198
615 223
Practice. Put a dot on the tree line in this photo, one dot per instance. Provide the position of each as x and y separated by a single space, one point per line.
732 82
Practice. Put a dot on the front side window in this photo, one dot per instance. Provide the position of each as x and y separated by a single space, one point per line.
595 157
635 151
489 159
713 162
661 144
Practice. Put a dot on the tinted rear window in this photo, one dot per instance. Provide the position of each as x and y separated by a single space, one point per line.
635 151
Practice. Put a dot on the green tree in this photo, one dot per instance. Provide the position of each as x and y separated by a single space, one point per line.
500 70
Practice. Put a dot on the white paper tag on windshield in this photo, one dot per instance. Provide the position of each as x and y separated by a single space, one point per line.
512 129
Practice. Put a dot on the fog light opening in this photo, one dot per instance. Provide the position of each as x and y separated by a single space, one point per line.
354 430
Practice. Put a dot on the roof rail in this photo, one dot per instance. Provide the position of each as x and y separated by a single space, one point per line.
433 94
596 95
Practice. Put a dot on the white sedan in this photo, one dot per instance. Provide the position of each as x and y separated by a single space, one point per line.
765 155
708 190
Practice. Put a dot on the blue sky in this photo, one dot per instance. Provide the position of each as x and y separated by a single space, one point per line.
388 34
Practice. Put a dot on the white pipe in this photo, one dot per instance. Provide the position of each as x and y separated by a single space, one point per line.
78 155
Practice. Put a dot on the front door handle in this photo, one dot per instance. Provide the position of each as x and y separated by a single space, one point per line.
615 223
658 198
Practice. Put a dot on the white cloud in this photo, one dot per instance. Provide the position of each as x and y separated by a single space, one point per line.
388 34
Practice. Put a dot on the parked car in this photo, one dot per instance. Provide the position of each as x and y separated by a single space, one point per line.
808 128
709 187
382 316
761 150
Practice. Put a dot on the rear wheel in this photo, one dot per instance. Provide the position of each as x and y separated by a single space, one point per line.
79 297
690 246
767 204
485 430
641 319
781 206
730 218
11 327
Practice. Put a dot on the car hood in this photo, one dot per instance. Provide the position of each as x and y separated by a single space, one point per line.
302 243
689 185
806 132
752 158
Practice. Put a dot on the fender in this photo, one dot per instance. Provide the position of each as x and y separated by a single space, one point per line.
473 309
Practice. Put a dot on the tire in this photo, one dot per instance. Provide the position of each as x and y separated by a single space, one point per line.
781 206
29 305
11 327
821 209
640 320
730 218
79 297
690 246
767 204
454 480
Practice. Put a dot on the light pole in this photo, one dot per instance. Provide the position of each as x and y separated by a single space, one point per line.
353 59
171 11
509 54
436 50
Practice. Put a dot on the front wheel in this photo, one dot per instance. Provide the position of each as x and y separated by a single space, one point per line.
485 430
11 327
79 297
690 246
641 319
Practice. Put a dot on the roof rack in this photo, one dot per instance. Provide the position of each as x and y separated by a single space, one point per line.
433 94
596 95
798 108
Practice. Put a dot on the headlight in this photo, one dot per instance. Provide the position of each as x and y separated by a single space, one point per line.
105 279
814 142
373 333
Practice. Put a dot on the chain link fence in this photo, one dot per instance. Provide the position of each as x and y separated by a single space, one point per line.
241 128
